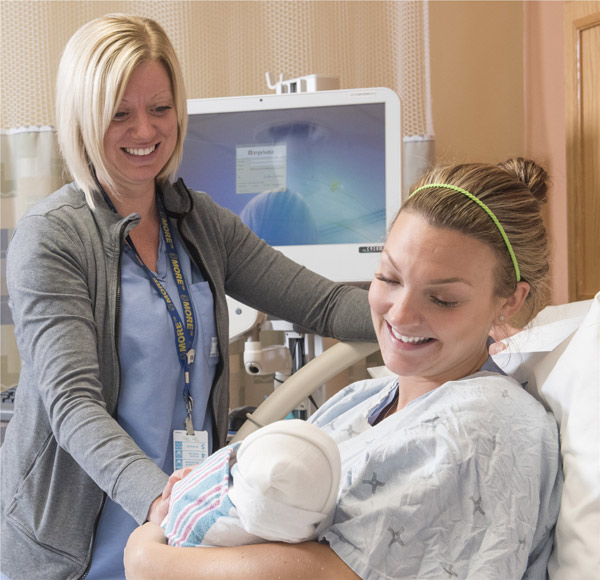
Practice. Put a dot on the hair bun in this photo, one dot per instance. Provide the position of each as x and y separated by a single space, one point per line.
531 174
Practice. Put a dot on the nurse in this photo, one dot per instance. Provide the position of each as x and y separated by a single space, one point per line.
117 288
450 469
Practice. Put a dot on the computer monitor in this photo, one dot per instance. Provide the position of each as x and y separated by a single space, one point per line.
317 175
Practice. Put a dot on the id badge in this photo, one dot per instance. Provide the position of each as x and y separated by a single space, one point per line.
189 450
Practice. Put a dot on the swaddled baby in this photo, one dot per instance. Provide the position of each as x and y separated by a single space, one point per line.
279 484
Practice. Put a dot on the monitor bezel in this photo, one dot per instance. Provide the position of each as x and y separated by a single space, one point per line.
339 262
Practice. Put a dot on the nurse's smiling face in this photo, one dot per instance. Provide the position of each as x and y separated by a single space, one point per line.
143 133
432 301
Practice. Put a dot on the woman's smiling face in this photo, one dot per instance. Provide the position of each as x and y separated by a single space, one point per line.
432 301
143 133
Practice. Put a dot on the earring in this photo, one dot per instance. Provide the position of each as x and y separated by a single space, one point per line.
501 318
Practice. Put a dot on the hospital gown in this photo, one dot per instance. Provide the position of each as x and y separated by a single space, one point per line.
464 482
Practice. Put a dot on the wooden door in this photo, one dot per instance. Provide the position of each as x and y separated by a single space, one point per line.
582 64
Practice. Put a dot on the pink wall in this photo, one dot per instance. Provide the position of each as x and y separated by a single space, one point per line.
545 132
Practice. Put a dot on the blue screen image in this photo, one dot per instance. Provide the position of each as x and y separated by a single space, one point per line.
313 175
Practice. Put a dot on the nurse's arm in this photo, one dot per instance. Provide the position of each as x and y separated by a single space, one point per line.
148 557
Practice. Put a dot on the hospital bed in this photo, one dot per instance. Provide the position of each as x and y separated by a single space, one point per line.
557 358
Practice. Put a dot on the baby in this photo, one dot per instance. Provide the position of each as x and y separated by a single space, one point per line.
279 484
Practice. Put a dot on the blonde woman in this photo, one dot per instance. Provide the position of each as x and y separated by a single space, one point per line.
450 469
117 288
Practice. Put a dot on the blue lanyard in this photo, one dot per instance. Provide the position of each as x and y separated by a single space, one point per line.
184 331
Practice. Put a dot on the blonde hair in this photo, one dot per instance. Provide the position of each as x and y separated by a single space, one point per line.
513 191
94 70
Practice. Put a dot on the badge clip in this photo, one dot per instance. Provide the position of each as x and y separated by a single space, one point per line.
189 426
191 355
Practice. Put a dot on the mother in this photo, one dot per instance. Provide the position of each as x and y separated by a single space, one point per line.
449 468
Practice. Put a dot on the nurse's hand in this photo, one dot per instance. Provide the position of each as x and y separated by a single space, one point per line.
499 333
135 555
160 506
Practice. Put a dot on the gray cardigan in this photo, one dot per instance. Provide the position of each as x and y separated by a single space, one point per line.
63 451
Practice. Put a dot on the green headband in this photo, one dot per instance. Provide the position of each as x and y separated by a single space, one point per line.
487 210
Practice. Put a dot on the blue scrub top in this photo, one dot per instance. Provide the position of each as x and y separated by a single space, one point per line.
151 402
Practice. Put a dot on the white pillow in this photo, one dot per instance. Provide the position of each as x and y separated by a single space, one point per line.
559 357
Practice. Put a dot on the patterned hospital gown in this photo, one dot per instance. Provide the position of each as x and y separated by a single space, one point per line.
464 482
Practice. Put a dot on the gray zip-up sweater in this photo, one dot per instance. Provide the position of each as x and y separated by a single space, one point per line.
63 451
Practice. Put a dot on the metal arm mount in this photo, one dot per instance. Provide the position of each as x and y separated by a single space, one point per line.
303 382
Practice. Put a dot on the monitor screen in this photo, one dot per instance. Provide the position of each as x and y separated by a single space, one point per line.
316 175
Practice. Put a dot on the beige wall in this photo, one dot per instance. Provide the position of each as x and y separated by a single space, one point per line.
497 87
476 53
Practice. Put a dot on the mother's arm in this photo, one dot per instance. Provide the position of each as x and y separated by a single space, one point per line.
148 557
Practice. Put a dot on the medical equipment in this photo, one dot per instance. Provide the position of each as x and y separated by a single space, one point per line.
283 360
302 383
317 175
305 84
259 360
